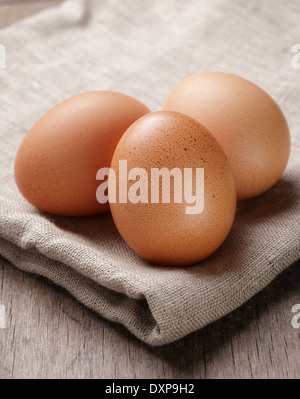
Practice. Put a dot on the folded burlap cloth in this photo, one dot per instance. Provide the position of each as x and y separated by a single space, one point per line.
143 48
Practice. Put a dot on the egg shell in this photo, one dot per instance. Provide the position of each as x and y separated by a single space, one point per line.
164 233
58 159
245 120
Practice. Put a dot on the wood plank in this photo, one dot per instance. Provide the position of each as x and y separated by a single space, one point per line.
51 335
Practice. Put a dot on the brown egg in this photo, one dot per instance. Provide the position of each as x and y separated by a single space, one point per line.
57 162
164 226
245 120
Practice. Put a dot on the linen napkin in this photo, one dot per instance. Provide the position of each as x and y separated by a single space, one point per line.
143 48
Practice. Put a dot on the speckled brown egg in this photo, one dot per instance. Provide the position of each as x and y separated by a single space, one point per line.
57 162
245 120
172 232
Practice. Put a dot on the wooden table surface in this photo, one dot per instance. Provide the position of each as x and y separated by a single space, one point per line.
49 334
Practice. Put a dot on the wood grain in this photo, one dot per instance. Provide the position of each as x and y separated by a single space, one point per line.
51 335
